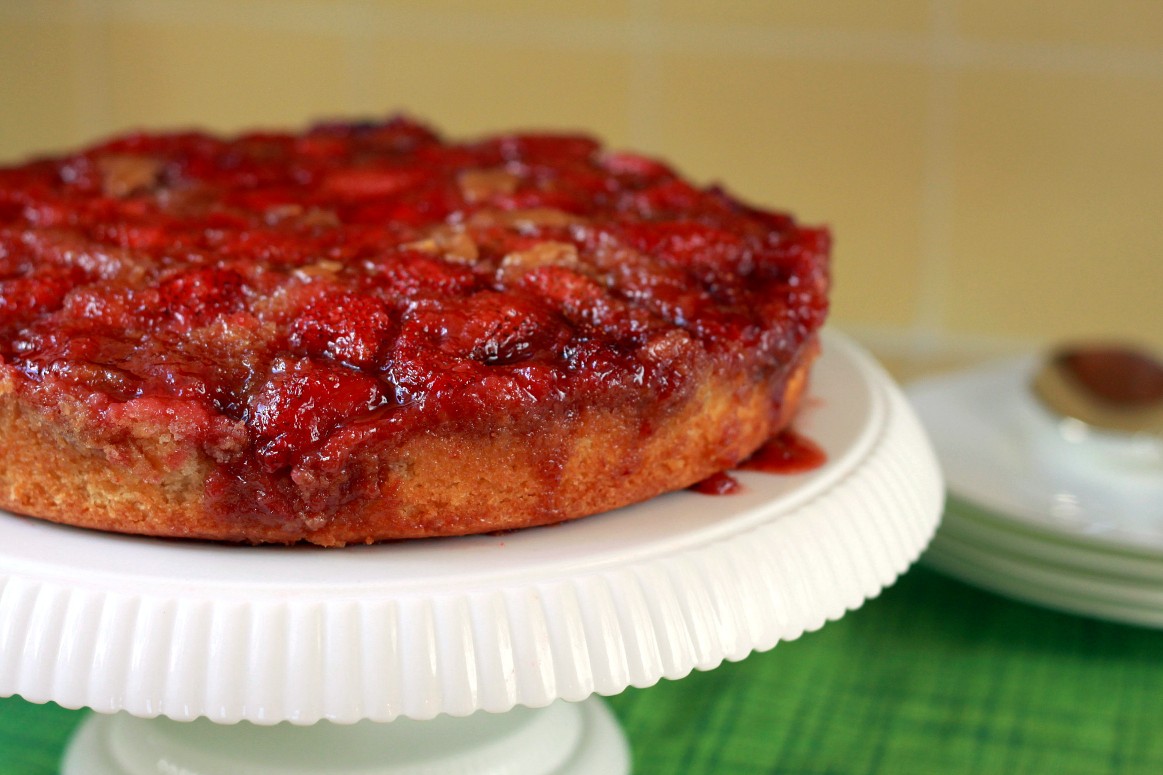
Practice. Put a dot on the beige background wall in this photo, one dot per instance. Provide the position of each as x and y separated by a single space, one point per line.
993 170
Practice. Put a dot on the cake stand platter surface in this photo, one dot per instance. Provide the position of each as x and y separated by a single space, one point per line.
478 654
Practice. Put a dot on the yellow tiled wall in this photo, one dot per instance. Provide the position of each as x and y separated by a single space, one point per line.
993 171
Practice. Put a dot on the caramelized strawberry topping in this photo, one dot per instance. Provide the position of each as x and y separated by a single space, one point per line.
277 298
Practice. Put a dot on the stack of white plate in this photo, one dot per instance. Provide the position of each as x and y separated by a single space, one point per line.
1041 508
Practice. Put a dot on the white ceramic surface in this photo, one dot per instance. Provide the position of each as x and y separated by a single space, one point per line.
1041 508
417 629
1017 569
1095 579
560 739
970 524
1047 586
1000 449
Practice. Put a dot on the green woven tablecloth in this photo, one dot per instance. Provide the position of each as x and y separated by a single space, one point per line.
932 677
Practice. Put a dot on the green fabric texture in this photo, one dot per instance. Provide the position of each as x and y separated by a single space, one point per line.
932 677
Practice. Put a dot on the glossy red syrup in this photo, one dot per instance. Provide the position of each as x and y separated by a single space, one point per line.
787 453
284 301
721 483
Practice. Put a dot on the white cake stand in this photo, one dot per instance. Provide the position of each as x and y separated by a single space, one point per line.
457 655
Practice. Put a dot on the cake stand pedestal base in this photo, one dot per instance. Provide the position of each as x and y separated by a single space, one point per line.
564 738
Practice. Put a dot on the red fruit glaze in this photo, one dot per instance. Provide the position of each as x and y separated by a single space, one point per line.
344 327
277 297
787 453
721 483
302 402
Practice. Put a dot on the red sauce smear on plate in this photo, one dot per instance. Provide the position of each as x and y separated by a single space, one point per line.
786 453
721 483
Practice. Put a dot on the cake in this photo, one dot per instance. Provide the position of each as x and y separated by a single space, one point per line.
363 332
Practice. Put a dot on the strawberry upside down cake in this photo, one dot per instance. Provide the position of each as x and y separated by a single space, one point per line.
365 332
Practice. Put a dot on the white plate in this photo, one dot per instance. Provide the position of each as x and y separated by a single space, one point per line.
1000 449
1052 587
452 626
1038 592
974 525
1073 581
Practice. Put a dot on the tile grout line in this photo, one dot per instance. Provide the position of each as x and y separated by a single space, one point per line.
960 53
583 34
937 192
642 94
1055 58
803 43
902 342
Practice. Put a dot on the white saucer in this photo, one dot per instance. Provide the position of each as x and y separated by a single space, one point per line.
1023 581
1038 510
1001 450
971 524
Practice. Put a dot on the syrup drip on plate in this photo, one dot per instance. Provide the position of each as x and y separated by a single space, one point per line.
787 453
721 483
